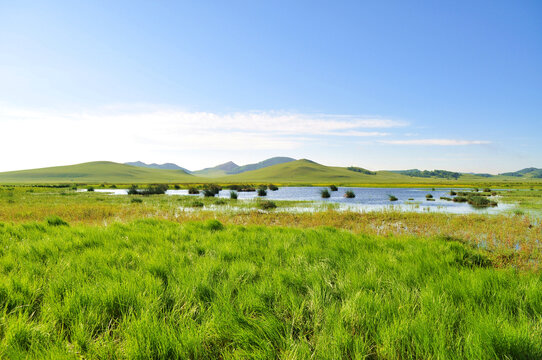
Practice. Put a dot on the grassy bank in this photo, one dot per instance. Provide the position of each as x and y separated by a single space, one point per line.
158 289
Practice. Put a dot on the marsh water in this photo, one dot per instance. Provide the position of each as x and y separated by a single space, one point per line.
367 199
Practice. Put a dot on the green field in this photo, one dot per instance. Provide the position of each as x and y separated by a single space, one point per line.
159 290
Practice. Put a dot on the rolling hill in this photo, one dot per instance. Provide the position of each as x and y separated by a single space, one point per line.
289 172
307 171
96 172
532 172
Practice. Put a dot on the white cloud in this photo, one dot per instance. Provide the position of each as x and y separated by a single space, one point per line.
46 137
438 142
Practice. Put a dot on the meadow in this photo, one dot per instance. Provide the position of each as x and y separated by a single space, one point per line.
157 289
88 275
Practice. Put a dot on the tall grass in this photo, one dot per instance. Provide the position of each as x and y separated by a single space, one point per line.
324 193
156 289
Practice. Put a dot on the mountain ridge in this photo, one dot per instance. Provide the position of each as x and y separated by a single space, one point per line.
164 166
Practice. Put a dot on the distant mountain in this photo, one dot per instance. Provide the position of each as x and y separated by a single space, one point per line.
531 172
166 166
262 164
231 168
219 170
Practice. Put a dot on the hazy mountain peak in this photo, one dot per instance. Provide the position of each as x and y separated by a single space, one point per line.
165 166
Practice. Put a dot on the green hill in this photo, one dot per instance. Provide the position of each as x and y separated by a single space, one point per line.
292 172
527 173
96 172
307 171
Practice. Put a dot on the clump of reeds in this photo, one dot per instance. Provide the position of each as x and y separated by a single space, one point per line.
333 188
197 204
215 189
262 192
208 193
193 191
480 202
54 220
349 194
392 198
233 195
267 205
273 187
325 193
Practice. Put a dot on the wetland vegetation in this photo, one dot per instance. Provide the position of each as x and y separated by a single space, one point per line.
260 282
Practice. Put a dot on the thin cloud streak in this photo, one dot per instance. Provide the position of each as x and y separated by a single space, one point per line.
437 142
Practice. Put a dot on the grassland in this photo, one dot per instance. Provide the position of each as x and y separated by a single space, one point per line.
89 275
156 289
509 238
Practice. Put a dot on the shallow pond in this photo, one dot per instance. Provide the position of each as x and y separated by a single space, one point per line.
367 199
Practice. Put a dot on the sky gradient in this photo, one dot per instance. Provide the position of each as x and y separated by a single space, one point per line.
384 85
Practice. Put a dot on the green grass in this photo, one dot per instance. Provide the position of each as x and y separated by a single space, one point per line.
159 290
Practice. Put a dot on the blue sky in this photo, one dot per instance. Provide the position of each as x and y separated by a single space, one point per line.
384 85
